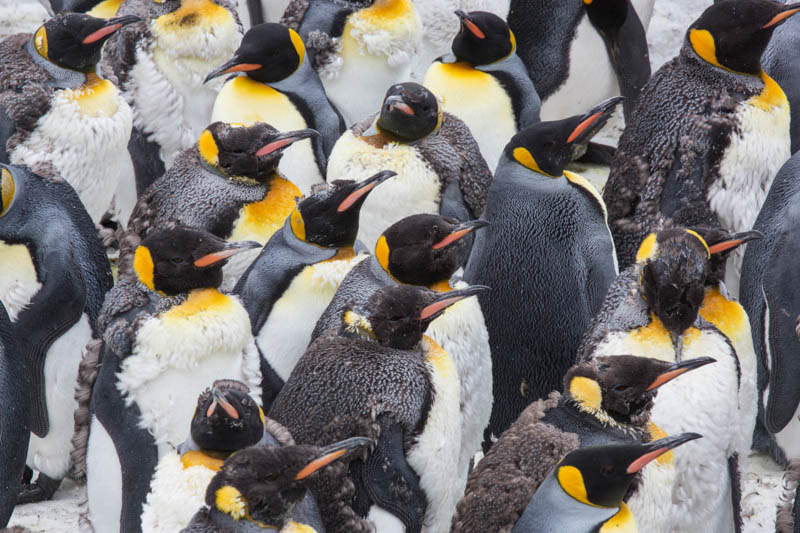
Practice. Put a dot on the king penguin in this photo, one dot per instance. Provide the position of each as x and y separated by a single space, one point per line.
485 83
293 280
104 9
438 163
55 276
781 64
552 222
708 136
383 373
55 109
168 332
280 87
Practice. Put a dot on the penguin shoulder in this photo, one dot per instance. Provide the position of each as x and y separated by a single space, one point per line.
331 272
391 28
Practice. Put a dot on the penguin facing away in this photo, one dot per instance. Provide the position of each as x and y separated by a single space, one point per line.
55 275
279 86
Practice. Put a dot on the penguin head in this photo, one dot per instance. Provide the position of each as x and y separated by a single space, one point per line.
483 38
409 112
329 217
246 151
398 315
600 475
424 249
180 259
720 244
733 34
227 418
74 40
269 53
545 147
675 266
262 484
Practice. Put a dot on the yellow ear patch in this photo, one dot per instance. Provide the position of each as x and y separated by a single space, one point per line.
702 240
382 253
6 190
106 9
586 391
571 480
208 148
524 158
703 44
513 41
229 500
144 267
40 42
298 225
648 249
299 47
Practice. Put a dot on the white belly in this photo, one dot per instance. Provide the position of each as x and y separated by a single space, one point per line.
18 284
385 522
104 476
646 503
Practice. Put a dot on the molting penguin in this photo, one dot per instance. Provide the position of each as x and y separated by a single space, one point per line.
709 134
55 275
55 109
438 163
227 184
280 87
485 83
552 222
384 376
293 280
167 333
780 62
564 44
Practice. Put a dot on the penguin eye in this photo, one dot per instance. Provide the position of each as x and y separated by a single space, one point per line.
177 261
549 144
620 388
607 470
271 477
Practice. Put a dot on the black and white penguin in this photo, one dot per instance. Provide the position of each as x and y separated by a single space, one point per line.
104 9
552 222
780 63
382 372
55 109
280 87
485 83
438 163
55 275
709 134
605 401
228 183
168 332
348 38
295 277
259 488
580 52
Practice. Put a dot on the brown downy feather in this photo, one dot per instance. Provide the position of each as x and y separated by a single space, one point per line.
784 521
87 374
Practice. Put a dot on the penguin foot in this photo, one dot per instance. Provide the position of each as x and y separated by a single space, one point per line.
39 491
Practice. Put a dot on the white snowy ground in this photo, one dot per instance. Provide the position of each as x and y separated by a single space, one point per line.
665 35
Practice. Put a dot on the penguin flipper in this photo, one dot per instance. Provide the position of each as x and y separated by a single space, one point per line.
736 491
256 12
146 157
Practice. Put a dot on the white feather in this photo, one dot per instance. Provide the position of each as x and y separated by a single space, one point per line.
18 282
104 490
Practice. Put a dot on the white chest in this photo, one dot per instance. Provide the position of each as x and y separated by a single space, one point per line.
18 280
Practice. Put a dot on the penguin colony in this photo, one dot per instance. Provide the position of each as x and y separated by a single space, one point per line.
322 266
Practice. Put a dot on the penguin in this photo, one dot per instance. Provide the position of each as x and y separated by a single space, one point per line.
48 80
585 491
287 288
104 9
258 488
227 184
438 163
708 136
779 64
606 401
564 44
348 38
55 276
161 64
552 222
167 333
279 86
383 375
485 83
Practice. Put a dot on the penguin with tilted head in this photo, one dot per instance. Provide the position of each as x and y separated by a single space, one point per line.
279 86
709 134
485 83
385 377
552 222
291 283
55 109
606 401
258 488
55 275
167 333
438 163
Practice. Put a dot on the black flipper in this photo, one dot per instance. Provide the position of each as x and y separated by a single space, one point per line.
41 490
7 129
271 383
146 157
256 12
736 491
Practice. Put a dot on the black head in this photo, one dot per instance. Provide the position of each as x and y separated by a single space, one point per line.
424 249
720 244
609 15
178 260
329 217
601 475
483 38
75 40
676 265
733 34
263 484
409 112
227 418
546 147
247 151
268 53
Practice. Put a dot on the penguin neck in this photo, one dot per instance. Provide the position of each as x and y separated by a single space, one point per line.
383 276
209 459
597 413
244 180
62 78
247 525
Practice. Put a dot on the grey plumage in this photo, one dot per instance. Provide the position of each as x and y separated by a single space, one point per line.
780 62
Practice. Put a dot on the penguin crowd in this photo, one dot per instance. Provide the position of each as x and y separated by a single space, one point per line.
315 266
